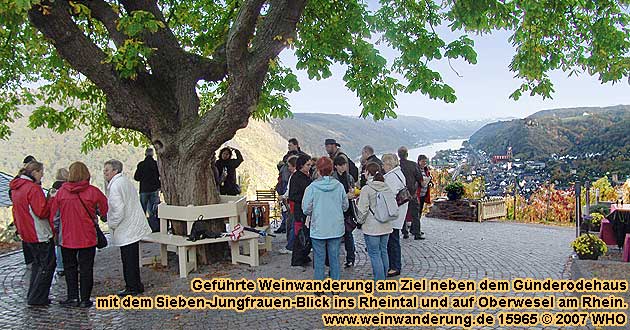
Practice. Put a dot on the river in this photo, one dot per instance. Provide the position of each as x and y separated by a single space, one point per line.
431 149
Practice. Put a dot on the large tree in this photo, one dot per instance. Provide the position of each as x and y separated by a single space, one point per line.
185 75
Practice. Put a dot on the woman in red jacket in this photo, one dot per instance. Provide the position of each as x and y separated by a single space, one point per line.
78 204
31 217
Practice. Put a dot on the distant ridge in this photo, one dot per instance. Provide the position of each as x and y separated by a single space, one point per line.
571 131
311 129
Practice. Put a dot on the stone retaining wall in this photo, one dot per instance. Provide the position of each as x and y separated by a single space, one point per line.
459 210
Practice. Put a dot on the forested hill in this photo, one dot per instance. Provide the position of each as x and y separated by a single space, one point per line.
573 131
60 150
311 129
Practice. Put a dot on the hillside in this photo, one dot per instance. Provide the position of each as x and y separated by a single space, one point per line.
311 129
574 131
258 171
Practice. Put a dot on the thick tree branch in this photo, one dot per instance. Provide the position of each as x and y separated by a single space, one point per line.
240 35
84 56
275 32
104 12
247 68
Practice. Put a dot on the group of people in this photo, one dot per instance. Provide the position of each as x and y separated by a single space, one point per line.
328 197
59 229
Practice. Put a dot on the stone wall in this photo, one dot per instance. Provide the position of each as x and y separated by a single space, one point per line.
460 210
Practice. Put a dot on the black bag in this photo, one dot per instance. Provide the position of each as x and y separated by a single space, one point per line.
198 231
403 196
101 240
349 223
304 236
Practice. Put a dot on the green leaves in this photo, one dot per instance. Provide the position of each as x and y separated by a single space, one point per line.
139 21
130 58
574 36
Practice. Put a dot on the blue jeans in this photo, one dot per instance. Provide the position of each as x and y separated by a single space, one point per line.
290 233
148 201
393 250
320 246
348 241
377 250
59 258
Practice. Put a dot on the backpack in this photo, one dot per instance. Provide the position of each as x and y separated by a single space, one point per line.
386 208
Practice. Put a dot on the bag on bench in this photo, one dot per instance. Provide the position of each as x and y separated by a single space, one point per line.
198 231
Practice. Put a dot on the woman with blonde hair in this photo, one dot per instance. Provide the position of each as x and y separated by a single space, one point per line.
396 181
31 216
78 204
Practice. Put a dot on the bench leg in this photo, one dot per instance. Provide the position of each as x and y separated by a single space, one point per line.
253 253
183 261
192 256
163 254
234 249
268 242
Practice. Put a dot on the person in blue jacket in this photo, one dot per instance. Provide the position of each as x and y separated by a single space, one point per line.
324 201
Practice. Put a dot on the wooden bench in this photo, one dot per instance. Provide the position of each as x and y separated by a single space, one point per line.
187 250
232 207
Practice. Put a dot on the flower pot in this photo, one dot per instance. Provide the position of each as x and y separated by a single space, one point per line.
588 256
453 196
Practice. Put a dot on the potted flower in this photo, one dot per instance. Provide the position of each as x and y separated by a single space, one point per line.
454 190
596 221
589 247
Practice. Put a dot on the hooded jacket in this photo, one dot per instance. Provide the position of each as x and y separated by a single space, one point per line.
30 210
367 200
395 179
126 220
77 222
325 201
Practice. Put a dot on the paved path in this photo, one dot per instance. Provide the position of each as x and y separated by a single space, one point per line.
459 250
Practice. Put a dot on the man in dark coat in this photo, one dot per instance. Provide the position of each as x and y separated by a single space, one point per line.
411 171
148 175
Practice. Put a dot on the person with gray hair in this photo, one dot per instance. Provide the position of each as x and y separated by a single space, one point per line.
395 179
413 176
367 155
127 223
148 174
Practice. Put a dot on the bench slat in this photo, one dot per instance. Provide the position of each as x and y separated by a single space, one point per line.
178 240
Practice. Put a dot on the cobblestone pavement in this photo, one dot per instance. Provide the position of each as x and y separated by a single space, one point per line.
496 250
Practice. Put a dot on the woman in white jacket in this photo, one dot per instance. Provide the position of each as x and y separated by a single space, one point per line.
395 179
376 233
127 223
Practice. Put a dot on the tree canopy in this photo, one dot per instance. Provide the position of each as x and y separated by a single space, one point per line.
180 74
574 36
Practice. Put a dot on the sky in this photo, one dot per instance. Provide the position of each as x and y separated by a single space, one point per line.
482 91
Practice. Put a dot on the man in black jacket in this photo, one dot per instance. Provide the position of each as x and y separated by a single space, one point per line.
412 174
148 175
368 156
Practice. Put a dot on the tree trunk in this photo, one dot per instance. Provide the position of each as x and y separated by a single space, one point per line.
188 179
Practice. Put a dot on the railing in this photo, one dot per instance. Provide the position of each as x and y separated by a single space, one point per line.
493 208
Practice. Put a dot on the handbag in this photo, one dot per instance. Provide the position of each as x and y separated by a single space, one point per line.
101 240
403 195
304 238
